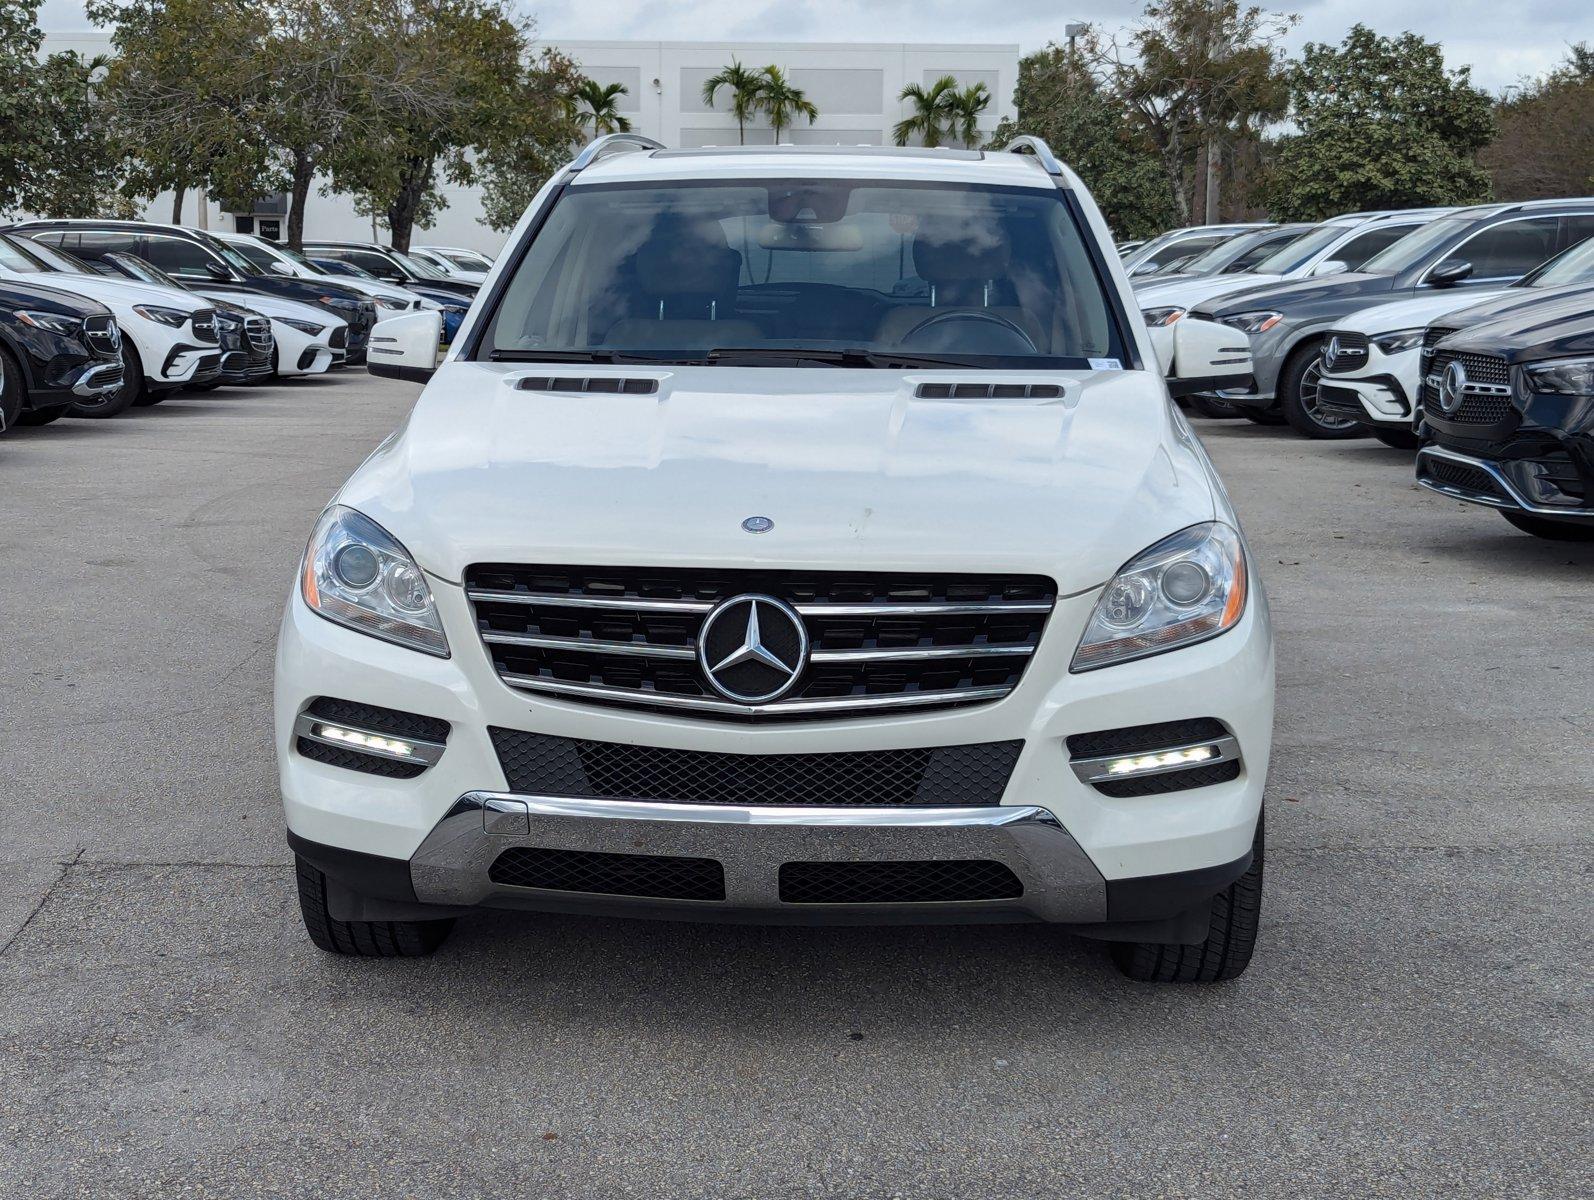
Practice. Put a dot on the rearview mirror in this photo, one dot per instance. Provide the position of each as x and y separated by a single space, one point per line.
216 271
1331 266
406 347
1208 357
1451 271
1145 268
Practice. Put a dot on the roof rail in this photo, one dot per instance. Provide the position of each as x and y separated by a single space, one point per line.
1028 143
597 147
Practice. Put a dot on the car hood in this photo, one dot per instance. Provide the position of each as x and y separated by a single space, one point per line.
122 293
1512 300
855 472
1283 296
15 294
1194 289
1402 314
1541 331
276 306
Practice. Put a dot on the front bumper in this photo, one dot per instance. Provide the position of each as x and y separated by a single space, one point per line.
1383 391
1069 843
1494 483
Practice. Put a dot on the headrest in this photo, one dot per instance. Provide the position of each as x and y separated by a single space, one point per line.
687 258
951 252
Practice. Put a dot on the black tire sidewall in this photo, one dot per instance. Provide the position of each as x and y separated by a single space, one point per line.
1289 392
130 393
13 389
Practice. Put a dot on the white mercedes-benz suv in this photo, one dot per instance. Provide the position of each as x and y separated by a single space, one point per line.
790 534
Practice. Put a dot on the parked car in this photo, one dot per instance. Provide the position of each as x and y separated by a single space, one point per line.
452 307
448 266
1156 254
1373 360
57 349
306 338
390 266
1507 405
638 612
465 260
282 260
167 337
196 256
1482 247
1236 255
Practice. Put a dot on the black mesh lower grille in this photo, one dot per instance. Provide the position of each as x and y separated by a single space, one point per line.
1138 739
353 760
379 720
659 876
1172 781
1462 475
897 882
951 775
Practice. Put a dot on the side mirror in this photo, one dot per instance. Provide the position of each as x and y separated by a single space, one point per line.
1208 357
1331 266
281 268
406 347
216 271
1450 272
1145 268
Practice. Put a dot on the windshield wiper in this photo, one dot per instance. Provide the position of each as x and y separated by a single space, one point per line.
855 356
580 356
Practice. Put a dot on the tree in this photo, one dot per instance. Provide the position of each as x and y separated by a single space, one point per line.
968 106
747 89
1382 124
1060 100
934 112
1545 144
597 104
528 138
782 102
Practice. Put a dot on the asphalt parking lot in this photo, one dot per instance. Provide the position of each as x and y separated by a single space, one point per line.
1416 1022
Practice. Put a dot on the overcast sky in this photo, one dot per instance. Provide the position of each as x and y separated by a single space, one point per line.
1502 40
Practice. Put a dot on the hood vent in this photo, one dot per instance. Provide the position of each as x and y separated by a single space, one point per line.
608 384
989 391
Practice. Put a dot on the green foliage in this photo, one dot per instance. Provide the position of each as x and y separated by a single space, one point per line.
598 106
746 86
942 113
529 139
1382 124
782 102
1545 145
1059 100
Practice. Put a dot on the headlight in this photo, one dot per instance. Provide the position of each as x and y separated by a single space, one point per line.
391 302
1185 589
1162 316
175 317
309 327
356 574
1567 377
1399 341
54 322
1252 322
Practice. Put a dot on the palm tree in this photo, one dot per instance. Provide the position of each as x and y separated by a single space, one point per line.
967 107
935 112
747 90
600 111
782 102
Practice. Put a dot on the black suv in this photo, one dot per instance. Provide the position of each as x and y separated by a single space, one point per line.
390 266
1510 408
56 350
193 256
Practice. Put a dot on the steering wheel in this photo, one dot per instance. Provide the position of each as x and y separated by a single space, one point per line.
942 320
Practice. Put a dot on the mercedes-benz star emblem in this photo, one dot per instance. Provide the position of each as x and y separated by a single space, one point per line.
758 524
752 648
1452 386
1331 351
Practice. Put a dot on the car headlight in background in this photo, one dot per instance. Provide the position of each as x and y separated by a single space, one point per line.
53 322
1399 341
174 317
309 327
1183 590
1162 316
1566 377
1252 322
356 574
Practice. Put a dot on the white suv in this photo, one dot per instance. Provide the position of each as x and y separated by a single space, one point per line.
793 535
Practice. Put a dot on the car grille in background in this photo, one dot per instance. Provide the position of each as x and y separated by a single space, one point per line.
1476 408
627 635
360 325
101 334
933 882
258 331
947 775
659 876
339 337
204 324
1431 338
1350 351
1461 475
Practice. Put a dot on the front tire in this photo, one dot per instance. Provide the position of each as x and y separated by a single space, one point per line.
361 939
1298 398
1397 439
1213 410
1550 529
1231 936
114 404
12 388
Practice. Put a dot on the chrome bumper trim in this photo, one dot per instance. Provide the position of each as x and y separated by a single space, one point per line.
96 381
1060 882
1094 770
1517 501
840 705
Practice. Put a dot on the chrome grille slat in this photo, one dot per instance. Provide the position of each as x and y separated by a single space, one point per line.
615 603
704 704
912 653
589 645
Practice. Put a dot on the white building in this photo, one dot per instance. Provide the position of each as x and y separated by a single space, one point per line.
855 87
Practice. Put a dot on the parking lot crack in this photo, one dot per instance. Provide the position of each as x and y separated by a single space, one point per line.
44 899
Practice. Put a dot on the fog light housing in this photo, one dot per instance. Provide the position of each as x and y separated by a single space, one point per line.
1142 764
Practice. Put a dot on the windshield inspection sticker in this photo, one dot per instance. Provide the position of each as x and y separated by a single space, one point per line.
1106 364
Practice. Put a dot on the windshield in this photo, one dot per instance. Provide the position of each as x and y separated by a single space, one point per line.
234 259
53 259
1294 255
1239 254
14 258
1416 246
415 266
766 270
289 253
467 262
1572 266
148 272
257 254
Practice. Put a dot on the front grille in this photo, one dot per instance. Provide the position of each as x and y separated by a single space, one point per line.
940 775
354 760
1349 352
102 335
661 877
258 331
1478 407
339 338
897 882
1431 337
204 325
628 636
379 720
1461 475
